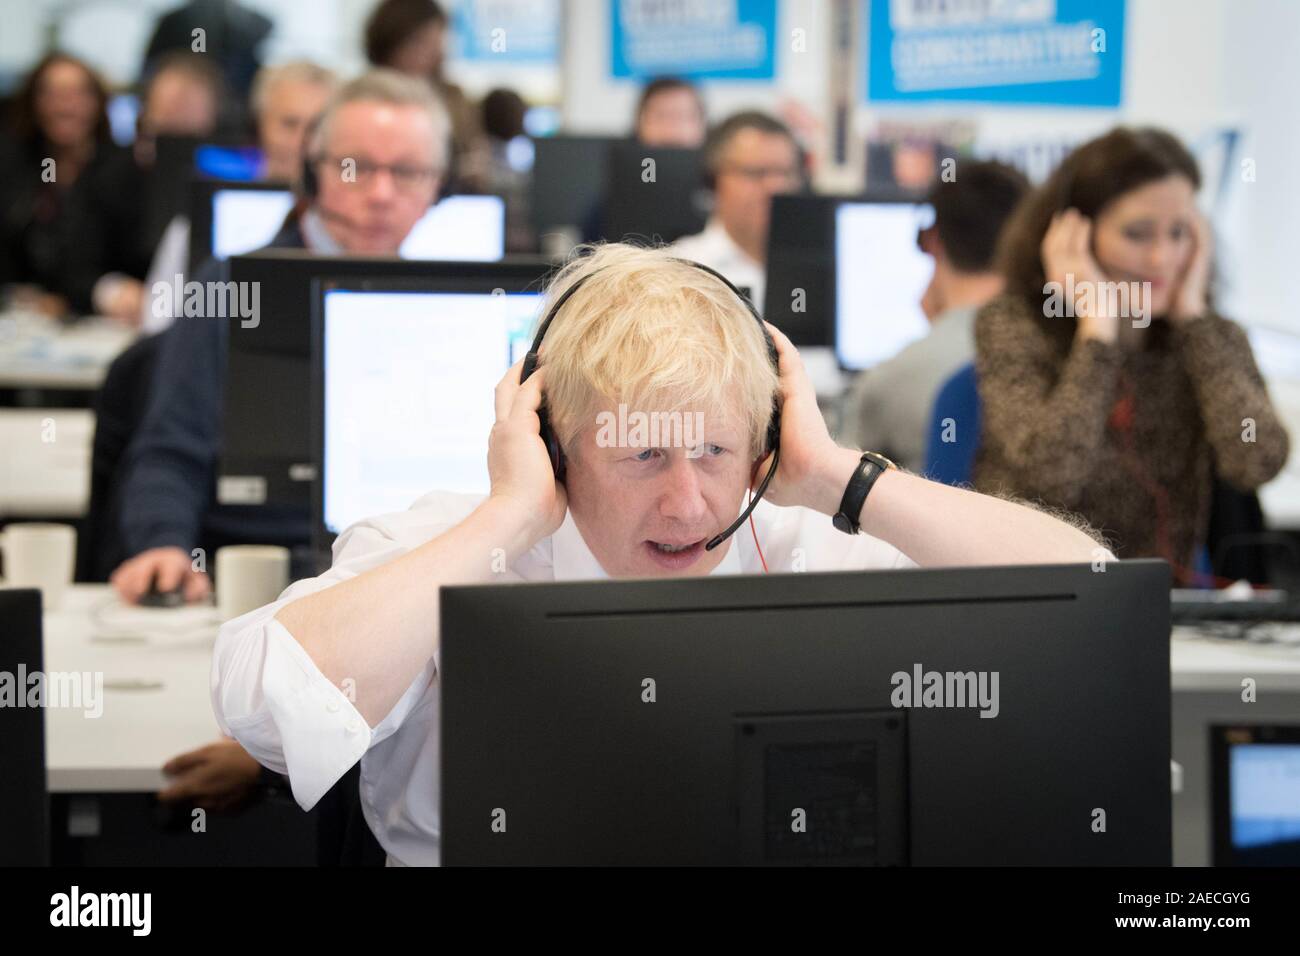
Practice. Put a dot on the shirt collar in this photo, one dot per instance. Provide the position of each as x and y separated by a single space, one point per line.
572 560
316 236
717 233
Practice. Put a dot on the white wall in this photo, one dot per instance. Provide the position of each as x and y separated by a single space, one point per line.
1191 65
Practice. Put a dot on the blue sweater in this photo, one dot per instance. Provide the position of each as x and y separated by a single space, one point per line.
170 466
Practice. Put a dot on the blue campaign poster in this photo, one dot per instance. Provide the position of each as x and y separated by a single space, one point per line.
1059 52
507 32
700 39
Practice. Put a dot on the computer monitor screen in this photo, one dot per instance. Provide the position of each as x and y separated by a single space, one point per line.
239 163
246 219
880 276
407 393
1256 779
274 459
461 228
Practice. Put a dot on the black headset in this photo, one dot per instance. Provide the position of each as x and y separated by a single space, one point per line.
772 441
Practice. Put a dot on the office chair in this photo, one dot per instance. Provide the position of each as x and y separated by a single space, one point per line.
956 411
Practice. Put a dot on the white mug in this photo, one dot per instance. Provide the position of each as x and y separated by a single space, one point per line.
41 556
249 576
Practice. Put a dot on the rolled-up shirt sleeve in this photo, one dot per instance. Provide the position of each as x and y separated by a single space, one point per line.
269 695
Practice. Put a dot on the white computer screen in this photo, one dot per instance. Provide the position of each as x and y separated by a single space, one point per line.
408 393
880 276
1265 794
459 228
246 219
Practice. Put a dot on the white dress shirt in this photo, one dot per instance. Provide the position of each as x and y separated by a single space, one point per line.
715 248
269 695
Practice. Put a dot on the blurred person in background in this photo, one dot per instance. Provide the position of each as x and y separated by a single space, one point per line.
1109 384
410 36
69 197
285 101
749 158
509 173
232 36
379 153
670 112
888 407
182 98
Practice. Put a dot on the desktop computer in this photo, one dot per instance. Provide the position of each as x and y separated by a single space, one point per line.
268 454
663 208
405 373
847 273
568 179
964 716
1255 794
232 218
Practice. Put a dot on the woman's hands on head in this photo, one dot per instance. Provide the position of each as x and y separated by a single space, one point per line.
1068 260
1192 298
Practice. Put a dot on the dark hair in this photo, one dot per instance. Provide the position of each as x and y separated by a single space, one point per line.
392 22
26 125
721 135
970 211
1089 179
503 114
195 66
666 84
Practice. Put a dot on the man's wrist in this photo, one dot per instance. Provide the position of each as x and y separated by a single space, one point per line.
825 488
508 521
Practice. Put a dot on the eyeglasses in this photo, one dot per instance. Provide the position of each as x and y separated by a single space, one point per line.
406 177
785 174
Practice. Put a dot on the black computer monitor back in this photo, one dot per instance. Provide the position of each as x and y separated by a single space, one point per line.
654 195
24 803
567 182
753 719
267 446
800 297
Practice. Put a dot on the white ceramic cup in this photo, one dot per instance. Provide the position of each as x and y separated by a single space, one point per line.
249 576
38 555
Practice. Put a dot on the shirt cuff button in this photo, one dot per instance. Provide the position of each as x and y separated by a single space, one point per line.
332 706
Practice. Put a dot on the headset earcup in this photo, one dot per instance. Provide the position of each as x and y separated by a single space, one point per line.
308 178
774 432
552 444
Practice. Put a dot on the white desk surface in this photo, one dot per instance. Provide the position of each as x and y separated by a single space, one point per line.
1199 662
140 729
45 465
40 353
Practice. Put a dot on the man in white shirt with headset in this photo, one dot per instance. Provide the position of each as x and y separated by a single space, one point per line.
345 667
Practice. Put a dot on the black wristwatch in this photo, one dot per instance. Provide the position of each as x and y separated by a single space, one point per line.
870 467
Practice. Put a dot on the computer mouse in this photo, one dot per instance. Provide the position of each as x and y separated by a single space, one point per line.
156 598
